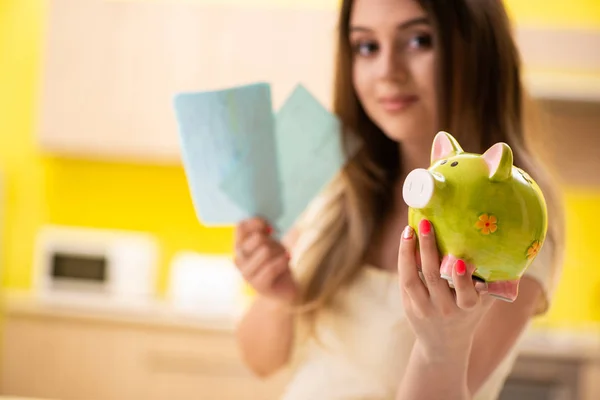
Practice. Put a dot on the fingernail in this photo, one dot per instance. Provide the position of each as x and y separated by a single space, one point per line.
461 268
269 229
425 227
481 287
408 233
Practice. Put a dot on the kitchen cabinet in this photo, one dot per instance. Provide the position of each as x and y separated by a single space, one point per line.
76 351
569 141
556 365
568 69
110 68
74 355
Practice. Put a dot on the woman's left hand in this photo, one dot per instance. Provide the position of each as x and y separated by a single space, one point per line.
444 320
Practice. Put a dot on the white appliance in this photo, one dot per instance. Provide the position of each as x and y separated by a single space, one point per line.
205 285
79 263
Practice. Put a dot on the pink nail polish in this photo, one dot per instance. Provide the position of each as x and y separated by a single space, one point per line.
425 227
461 268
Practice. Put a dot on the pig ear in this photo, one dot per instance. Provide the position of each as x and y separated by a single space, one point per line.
499 159
444 146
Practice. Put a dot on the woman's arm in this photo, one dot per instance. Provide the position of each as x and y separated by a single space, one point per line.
265 336
461 337
430 378
502 325
265 333
462 374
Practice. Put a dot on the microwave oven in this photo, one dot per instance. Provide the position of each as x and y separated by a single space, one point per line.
100 263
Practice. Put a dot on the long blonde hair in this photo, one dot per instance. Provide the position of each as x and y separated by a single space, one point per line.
475 45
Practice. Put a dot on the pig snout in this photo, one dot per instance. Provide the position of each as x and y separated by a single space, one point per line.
418 188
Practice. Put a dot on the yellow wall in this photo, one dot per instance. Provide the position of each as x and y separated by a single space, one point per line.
153 198
79 192
23 170
577 298
130 196
556 13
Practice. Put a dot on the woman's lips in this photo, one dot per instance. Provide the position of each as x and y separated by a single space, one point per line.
397 103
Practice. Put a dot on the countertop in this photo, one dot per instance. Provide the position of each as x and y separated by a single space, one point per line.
565 343
147 312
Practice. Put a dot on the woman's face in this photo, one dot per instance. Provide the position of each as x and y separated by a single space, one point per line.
394 67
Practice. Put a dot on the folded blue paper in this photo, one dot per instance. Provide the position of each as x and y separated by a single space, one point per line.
309 154
242 161
217 130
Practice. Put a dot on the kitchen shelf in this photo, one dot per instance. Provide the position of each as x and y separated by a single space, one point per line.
564 85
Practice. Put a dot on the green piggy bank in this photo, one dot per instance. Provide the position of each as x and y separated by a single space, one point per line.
483 209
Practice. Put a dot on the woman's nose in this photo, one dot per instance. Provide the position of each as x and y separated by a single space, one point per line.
390 66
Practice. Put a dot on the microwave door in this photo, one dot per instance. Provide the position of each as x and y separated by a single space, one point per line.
75 271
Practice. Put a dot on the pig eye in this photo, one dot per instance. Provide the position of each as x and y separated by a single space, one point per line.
454 164
443 162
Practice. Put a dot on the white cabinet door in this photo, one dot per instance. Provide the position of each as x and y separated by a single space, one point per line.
69 358
111 68
62 359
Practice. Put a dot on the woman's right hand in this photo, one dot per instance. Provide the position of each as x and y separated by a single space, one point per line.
264 261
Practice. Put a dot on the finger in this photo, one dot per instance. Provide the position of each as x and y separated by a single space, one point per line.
446 267
251 225
408 274
250 266
271 271
467 297
260 256
418 256
252 242
265 252
437 286
481 287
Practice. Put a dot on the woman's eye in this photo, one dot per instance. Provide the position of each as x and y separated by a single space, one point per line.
421 41
365 48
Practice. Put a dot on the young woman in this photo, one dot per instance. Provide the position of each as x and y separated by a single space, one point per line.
370 328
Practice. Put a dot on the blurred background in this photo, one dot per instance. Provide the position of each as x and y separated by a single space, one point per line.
113 290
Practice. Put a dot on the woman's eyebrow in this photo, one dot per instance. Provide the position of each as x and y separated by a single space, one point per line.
403 25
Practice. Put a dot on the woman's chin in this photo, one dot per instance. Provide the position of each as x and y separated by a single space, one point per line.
404 129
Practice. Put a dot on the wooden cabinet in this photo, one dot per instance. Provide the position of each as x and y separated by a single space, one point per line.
542 378
85 353
66 357
556 365
570 141
111 68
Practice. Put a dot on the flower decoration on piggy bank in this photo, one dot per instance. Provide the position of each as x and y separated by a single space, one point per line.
483 209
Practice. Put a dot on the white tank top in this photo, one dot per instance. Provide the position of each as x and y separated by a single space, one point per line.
366 341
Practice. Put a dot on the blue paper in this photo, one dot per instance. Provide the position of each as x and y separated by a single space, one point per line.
218 130
242 161
309 155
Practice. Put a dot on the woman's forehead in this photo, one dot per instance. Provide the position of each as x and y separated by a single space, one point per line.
373 13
